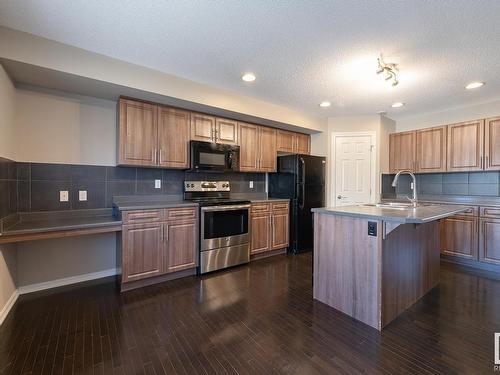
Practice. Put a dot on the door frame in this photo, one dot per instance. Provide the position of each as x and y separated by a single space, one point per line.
373 162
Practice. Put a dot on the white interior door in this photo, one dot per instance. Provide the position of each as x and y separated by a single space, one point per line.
353 169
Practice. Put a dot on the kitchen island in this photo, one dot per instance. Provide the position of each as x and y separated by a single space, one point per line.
372 262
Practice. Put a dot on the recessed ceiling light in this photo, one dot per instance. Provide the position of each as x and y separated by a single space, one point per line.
248 77
325 104
397 105
474 85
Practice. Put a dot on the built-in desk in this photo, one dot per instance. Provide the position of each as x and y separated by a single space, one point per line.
57 224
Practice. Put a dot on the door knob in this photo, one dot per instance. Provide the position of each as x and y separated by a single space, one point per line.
340 197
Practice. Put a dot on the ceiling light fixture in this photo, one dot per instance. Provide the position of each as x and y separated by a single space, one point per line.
325 104
389 69
397 105
248 77
474 85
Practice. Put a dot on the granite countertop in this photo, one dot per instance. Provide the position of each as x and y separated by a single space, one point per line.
419 215
149 202
41 222
263 200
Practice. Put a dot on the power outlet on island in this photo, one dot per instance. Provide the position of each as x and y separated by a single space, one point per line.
157 184
250 184
63 196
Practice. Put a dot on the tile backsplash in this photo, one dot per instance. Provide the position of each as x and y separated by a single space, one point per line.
486 184
8 187
38 184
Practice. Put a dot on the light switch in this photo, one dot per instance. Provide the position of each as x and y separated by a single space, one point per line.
63 196
157 184
82 195
250 184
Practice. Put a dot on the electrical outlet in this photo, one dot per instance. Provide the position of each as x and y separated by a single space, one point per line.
157 184
63 196
82 195
250 184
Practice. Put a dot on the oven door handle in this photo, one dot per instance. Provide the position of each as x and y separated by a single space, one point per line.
226 208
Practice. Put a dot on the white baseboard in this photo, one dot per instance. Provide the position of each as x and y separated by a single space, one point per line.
66 281
6 309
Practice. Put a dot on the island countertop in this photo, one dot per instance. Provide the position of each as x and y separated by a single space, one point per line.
419 215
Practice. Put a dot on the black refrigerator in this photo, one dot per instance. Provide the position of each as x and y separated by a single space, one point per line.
300 178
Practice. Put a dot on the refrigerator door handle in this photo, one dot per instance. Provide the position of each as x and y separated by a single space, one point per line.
302 183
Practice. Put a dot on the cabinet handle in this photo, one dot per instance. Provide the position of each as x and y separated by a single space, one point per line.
153 156
165 233
481 161
159 158
487 162
216 135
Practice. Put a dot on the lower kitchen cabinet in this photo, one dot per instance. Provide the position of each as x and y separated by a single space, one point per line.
270 226
142 251
459 236
180 239
158 243
489 240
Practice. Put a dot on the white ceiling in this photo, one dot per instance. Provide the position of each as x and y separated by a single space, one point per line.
303 52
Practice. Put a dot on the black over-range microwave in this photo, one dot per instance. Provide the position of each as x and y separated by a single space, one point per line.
214 157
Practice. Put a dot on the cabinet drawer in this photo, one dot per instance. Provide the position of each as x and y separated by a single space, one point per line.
143 216
471 211
280 206
180 213
493 212
260 208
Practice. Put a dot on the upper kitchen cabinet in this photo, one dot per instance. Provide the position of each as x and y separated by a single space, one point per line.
173 138
257 148
152 135
465 146
402 151
431 150
293 143
226 131
286 141
492 144
267 149
211 129
137 133
202 127
303 143
249 149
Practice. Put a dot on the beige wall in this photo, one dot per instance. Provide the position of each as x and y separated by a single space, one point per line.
48 260
30 49
8 265
450 116
7 126
70 129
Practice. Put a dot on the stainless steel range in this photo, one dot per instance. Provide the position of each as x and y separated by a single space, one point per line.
224 225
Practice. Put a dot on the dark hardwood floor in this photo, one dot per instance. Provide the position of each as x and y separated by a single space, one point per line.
255 319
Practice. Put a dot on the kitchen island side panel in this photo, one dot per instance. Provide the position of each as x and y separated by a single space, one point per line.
410 266
347 267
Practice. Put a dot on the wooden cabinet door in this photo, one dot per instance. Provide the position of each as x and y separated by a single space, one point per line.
459 237
181 249
402 151
137 133
465 146
492 144
489 241
202 127
249 147
286 141
431 150
267 146
173 138
303 143
226 131
142 251
279 230
260 229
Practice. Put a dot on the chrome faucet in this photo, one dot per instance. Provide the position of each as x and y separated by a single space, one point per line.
413 200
